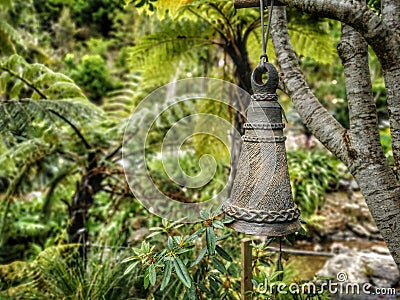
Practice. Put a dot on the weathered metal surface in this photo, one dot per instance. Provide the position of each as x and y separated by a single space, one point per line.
254 3
261 199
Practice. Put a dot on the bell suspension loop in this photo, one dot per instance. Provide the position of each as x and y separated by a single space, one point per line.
261 200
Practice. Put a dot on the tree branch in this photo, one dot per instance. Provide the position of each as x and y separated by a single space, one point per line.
384 38
322 124
391 13
364 132
370 168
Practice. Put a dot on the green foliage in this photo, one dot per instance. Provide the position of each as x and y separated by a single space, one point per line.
188 163
8 37
312 174
51 134
39 110
375 5
313 37
91 73
160 53
174 269
201 261
199 31
58 273
386 142
96 14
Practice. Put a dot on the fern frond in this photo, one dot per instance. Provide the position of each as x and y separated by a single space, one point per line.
160 53
313 37
15 115
8 36
308 43
120 103
28 152
19 79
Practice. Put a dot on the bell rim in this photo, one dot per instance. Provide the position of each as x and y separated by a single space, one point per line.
265 229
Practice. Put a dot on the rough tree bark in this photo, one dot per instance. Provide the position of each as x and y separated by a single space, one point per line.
359 147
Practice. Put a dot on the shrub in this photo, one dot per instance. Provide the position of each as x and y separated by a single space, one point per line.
91 73
312 174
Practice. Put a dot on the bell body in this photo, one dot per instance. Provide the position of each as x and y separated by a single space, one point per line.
261 199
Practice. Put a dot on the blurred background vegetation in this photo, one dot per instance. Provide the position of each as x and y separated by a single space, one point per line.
71 73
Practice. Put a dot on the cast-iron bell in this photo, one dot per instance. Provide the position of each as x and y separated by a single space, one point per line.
261 200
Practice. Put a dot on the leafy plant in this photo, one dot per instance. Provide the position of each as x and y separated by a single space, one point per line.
59 273
312 174
92 74
178 270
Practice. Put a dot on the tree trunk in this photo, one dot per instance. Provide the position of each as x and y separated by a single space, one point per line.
359 147
382 34
369 166
86 188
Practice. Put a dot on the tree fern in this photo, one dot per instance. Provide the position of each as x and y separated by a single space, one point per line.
41 113
319 46
159 54
31 92
121 102
8 37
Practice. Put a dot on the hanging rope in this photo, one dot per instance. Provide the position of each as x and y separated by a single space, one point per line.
264 57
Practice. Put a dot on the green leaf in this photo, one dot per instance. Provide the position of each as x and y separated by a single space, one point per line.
191 293
131 267
203 288
214 285
195 235
170 243
166 275
219 265
130 258
179 252
264 263
178 289
203 215
200 257
211 240
146 281
156 229
228 220
218 224
153 234
223 253
223 237
152 274
302 231
182 272
290 239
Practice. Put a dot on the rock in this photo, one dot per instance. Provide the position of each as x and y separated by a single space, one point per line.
349 263
354 185
371 228
338 248
318 248
380 249
381 268
363 267
359 230
343 236
344 184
